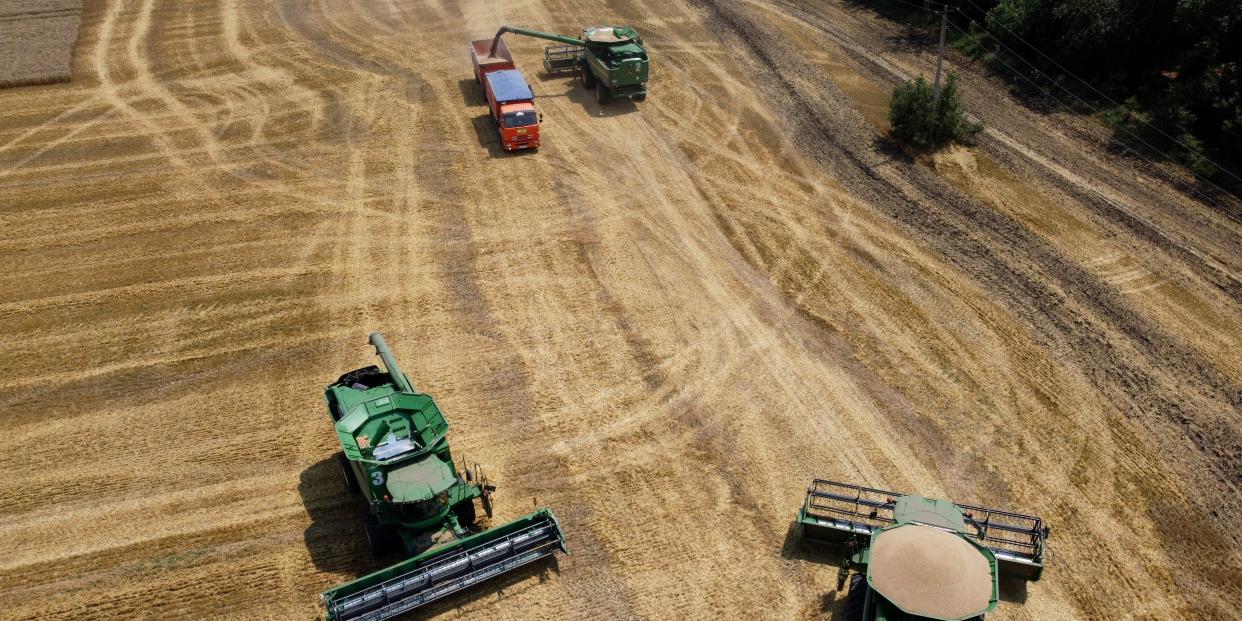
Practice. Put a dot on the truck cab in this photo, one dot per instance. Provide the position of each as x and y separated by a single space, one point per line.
519 126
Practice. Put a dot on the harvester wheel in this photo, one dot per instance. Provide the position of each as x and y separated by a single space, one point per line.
347 473
379 538
641 97
465 513
588 78
602 96
855 598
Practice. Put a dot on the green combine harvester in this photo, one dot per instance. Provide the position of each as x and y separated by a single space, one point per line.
394 452
909 558
610 59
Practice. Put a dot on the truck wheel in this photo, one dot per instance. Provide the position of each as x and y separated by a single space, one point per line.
465 513
602 96
347 473
641 97
379 538
588 78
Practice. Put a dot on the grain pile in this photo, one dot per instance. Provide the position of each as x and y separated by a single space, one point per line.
36 40
930 572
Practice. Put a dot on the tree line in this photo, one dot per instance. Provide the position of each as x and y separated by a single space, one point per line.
1166 73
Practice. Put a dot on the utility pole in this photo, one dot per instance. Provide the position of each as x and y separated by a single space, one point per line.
944 22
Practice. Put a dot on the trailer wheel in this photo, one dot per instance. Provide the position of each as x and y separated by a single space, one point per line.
347 473
602 96
588 78
855 598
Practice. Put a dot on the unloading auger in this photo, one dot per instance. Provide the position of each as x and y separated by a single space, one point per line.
394 452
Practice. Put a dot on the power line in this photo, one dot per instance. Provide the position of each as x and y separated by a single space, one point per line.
1131 149
1093 89
1207 259
1098 112
913 5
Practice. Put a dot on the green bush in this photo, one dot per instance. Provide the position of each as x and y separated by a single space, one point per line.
919 120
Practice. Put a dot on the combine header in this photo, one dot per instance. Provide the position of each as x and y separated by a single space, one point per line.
610 59
919 558
395 452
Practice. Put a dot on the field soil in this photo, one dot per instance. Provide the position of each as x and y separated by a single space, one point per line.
663 324
36 40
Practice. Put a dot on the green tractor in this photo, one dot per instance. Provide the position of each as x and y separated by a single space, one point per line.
910 558
611 59
394 452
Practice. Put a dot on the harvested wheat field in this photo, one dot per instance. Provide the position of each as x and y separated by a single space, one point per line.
662 324
36 40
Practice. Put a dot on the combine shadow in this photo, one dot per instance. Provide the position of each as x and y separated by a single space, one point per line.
830 604
795 550
337 542
571 88
335 539
581 96
1013 590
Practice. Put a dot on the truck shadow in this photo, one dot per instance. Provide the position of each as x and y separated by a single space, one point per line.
793 550
471 93
488 137
337 543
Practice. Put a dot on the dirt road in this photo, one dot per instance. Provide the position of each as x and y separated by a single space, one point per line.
663 324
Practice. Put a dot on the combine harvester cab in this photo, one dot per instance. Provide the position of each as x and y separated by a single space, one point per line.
919 558
395 452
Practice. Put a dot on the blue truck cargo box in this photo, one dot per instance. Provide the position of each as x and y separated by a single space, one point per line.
509 85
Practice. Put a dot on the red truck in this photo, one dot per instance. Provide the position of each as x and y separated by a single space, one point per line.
509 98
